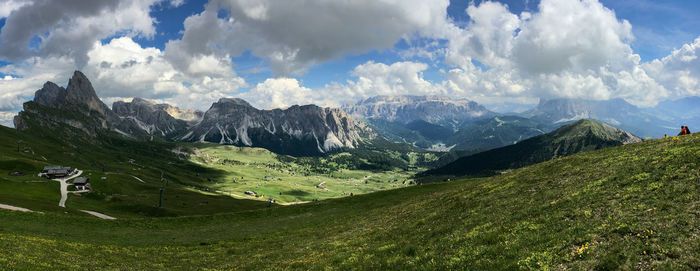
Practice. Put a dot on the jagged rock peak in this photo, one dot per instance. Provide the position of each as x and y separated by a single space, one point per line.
50 94
80 89
236 101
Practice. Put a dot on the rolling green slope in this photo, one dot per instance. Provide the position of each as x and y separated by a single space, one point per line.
580 136
124 174
627 207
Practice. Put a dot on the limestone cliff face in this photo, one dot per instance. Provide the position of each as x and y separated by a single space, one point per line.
299 130
140 115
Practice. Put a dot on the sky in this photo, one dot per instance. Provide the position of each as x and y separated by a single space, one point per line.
507 55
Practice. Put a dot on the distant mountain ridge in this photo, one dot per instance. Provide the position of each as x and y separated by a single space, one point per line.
615 112
442 123
407 108
298 130
583 135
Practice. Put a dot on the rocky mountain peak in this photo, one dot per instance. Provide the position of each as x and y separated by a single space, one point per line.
232 101
50 95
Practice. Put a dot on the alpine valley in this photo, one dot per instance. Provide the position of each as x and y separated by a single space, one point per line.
389 182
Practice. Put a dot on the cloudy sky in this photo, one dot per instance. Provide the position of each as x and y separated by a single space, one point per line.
505 54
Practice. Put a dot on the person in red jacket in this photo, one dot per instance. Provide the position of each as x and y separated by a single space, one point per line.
683 131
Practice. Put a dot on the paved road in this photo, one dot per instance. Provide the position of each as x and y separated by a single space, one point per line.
14 208
103 216
64 188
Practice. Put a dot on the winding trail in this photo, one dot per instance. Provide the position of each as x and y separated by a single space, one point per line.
137 178
14 208
64 188
103 216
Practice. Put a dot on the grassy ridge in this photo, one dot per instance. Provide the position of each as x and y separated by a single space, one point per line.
629 207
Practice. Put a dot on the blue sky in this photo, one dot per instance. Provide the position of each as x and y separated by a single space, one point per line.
278 53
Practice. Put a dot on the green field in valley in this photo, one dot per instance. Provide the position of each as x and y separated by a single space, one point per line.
288 179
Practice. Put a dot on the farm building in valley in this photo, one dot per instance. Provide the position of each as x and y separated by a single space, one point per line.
81 183
52 172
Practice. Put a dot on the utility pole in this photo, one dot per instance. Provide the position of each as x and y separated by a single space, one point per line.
162 188
18 142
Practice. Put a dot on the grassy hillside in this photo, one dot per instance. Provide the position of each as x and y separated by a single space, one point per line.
201 178
125 176
628 207
580 136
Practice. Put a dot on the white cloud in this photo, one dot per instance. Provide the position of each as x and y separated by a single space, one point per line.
70 27
177 3
679 71
8 6
568 48
296 34
371 79
31 75
279 93
6 119
573 35
488 36
123 69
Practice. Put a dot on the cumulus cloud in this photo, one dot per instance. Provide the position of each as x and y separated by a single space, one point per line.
573 35
568 48
30 74
679 71
279 93
8 6
294 35
6 119
70 27
370 79
122 69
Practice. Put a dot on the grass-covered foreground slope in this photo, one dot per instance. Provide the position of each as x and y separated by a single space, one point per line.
629 207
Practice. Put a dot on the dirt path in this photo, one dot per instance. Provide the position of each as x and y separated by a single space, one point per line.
14 208
137 178
64 188
103 216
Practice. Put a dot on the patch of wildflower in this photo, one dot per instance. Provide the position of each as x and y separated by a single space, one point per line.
582 250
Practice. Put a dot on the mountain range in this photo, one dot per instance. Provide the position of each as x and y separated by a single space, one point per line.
434 123
298 130
580 136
